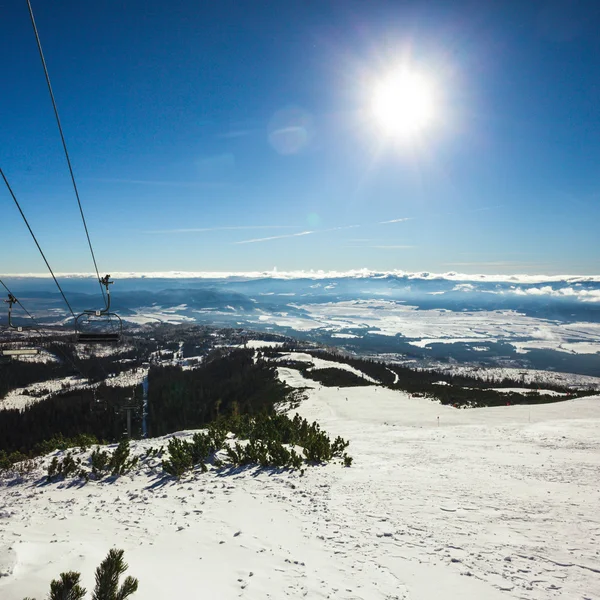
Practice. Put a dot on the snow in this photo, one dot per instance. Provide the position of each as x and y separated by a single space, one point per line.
345 335
570 348
17 398
127 378
530 376
440 326
42 357
263 344
153 314
491 503
101 350
427 342
524 391
320 363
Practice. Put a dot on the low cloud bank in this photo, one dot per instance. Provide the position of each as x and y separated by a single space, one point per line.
322 274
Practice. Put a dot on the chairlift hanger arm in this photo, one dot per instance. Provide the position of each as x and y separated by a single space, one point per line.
104 281
11 301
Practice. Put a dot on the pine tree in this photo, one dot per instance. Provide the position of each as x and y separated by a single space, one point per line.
67 587
107 578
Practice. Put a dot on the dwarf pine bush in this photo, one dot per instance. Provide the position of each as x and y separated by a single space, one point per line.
179 459
63 468
67 587
120 463
108 586
101 461
107 578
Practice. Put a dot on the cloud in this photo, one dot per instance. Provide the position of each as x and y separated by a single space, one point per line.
392 247
274 237
159 182
565 292
224 228
401 220
301 233
521 279
463 287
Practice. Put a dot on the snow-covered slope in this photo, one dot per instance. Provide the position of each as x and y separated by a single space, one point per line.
481 504
320 363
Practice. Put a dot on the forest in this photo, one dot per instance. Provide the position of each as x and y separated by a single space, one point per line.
224 385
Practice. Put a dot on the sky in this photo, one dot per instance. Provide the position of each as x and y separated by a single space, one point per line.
240 136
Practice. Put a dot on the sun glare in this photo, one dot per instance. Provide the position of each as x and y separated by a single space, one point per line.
403 104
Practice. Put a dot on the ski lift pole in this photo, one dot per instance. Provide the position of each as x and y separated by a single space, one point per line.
145 405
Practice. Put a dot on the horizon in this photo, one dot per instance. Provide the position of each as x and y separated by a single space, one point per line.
325 274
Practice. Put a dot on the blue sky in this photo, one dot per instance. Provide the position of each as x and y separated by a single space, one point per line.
239 136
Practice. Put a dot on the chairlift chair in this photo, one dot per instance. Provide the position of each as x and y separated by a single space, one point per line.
109 332
7 353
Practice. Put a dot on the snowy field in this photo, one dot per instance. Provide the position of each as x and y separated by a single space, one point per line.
36 392
529 376
158 314
480 504
439 326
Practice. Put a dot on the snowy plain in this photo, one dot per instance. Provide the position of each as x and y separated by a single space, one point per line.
494 503
422 328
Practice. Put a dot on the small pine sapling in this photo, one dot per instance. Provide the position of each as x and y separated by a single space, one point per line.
108 575
67 587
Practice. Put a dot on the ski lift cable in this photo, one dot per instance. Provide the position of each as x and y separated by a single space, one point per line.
36 242
64 143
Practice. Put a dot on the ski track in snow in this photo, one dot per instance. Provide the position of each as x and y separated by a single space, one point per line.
491 503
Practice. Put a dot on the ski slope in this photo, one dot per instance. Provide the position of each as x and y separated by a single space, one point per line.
492 503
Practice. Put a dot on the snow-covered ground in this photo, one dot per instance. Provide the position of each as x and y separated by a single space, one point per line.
263 344
524 391
36 392
158 314
101 350
441 326
529 376
320 363
43 356
479 504
127 378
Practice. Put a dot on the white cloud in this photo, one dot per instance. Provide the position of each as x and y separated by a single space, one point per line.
289 235
395 220
565 292
225 228
463 287
522 279
392 247
275 237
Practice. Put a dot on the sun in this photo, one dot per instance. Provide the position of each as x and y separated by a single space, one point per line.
403 104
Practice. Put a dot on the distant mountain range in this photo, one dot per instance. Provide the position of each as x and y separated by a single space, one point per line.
547 322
